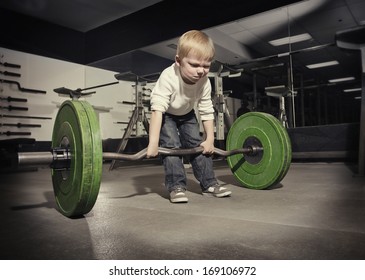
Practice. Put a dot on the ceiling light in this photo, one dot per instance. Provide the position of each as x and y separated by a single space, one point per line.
322 64
341 80
291 39
357 97
352 89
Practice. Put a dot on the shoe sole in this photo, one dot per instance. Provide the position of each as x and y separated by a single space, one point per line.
227 193
179 200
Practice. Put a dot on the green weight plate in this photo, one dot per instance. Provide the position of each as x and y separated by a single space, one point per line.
76 127
267 167
286 143
287 148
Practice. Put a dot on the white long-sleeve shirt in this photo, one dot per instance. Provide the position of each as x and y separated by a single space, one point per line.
172 95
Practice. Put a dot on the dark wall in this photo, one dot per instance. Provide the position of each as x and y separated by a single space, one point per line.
30 35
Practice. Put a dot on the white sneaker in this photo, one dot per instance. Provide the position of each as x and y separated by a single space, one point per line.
217 191
178 196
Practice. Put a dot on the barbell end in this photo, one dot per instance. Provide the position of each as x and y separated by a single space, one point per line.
58 158
35 158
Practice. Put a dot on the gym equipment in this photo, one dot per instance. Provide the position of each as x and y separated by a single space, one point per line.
14 133
23 89
280 92
77 93
24 117
290 52
10 108
76 128
259 154
270 163
138 119
20 125
8 73
223 118
7 64
13 99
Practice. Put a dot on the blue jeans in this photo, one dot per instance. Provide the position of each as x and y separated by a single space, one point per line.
183 132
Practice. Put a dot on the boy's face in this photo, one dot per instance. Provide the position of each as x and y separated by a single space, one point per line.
192 68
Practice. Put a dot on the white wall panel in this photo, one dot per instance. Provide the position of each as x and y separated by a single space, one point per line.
46 74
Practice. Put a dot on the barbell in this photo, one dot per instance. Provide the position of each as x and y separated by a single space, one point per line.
258 153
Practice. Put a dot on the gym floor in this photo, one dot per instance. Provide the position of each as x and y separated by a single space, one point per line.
316 212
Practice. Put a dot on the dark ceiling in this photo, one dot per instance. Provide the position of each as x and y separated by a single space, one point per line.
79 31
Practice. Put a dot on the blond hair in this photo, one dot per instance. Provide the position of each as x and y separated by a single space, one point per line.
197 43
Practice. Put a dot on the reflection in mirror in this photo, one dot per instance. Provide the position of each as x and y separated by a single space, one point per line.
288 57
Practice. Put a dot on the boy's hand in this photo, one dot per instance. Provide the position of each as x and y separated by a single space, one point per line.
208 147
152 151
208 144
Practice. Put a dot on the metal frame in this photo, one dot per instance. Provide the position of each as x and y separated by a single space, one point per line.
279 92
138 119
223 117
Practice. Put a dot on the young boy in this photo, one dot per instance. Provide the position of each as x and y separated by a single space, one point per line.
173 121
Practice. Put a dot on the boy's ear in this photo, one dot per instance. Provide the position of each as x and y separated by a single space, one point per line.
177 60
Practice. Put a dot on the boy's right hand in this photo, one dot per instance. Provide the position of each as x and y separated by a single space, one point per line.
152 151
